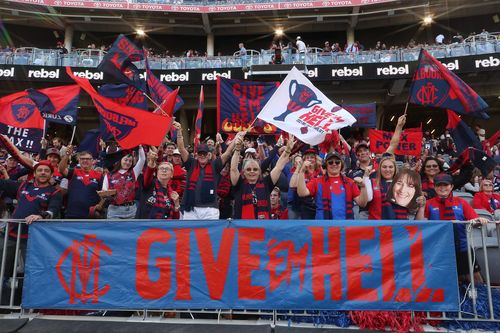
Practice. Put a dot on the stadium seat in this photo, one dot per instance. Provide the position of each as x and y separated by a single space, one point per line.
493 259
464 195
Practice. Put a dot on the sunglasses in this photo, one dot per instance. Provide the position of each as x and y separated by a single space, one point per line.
202 153
428 166
252 169
336 162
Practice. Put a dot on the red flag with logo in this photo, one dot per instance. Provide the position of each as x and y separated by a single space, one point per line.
18 110
130 126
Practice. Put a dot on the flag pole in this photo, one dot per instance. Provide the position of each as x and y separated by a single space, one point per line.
44 128
406 108
72 135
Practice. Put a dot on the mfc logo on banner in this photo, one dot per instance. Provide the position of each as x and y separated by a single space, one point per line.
85 262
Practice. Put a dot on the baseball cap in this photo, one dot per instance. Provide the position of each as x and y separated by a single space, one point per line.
298 37
332 155
250 151
43 162
202 148
310 151
360 145
443 178
53 151
176 152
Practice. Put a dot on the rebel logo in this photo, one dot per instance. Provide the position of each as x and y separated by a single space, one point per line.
393 70
301 97
22 109
118 124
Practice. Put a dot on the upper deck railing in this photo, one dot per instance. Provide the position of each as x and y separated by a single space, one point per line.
91 58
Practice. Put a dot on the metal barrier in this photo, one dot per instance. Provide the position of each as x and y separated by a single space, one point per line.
91 58
483 246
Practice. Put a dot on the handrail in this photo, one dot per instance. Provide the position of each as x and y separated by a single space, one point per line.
92 57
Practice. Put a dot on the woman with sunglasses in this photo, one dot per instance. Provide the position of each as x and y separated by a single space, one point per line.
157 199
251 190
430 169
334 193
486 198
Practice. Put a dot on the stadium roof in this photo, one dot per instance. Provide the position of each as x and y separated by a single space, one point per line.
256 21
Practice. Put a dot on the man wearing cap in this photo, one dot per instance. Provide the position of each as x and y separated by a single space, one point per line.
334 193
362 151
447 207
200 195
37 199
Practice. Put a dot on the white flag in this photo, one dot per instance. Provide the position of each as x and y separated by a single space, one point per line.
299 108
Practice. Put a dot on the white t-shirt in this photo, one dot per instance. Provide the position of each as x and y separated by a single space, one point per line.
301 46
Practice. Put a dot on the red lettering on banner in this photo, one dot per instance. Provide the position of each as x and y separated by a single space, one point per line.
387 258
248 263
146 287
326 263
417 266
85 262
182 264
297 259
357 264
215 268
321 118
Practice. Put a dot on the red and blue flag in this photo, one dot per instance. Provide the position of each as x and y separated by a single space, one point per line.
462 135
57 104
478 158
21 121
123 94
130 126
436 86
119 63
199 118
159 91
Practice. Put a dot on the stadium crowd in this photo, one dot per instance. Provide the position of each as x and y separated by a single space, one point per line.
247 177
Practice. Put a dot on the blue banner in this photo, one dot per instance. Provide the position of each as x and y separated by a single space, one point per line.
238 104
365 114
365 265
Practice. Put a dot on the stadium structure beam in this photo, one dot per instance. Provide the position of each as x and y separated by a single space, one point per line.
206 23
354 18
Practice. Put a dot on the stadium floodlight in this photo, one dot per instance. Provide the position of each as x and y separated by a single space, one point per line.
140 32
279 32
427 20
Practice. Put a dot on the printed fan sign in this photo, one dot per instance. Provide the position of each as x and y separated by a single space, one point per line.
299 108
410 142
365 114
256 264
239 102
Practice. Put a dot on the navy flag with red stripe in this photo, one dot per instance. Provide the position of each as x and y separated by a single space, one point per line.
462 135
436 86
57 104
199 118
119 63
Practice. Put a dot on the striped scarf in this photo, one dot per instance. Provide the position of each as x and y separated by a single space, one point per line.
254 201
207 185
